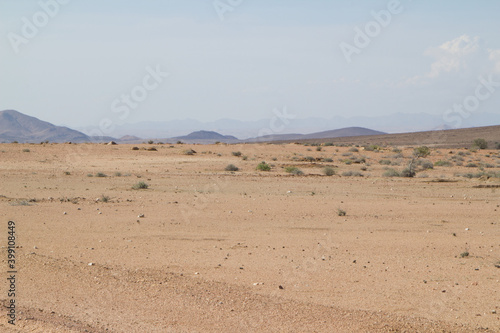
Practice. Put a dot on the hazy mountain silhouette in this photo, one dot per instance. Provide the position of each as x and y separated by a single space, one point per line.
15 126
338 133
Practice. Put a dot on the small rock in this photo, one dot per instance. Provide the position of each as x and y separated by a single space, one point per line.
65 213
281 287
466 229
196 273
91 264
35 247
100 213
493 311
140 216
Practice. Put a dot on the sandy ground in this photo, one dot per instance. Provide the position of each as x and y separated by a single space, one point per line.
248 251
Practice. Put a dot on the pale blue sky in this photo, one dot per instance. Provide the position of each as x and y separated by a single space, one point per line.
263 55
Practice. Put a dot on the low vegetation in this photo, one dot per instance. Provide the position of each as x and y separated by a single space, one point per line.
140 186
263 166
231 167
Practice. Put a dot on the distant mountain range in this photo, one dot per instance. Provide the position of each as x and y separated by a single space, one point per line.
15 126
394 123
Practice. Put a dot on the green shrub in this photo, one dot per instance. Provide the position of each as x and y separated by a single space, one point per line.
480 143
341 212
263 166
352 174
294 170
354 150
443 163
140 186
26 150
425 164
407 172
318 148
391 173
100 174
231 167
329 144
236 153
385 162
328 171
422 151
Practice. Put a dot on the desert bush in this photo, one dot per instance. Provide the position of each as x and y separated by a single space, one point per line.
329 144
231 167
352 174
408 172
100 174
480 143
118 174
140 186
328 160
151 142
385 162
422 151
372 148
309 159
318 148
425 164
328 171
354 149
471 165
341 212
396 150
236 153
67 173
443 163
105 198
90 175
244 158
263 166
135 148
26 150
346 154
294 170
391 173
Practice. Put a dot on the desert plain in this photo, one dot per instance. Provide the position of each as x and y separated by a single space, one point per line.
202 249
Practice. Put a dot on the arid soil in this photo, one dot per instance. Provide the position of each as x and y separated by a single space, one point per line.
208 250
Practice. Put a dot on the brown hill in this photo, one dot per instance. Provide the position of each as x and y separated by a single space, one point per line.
442 138
15 126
